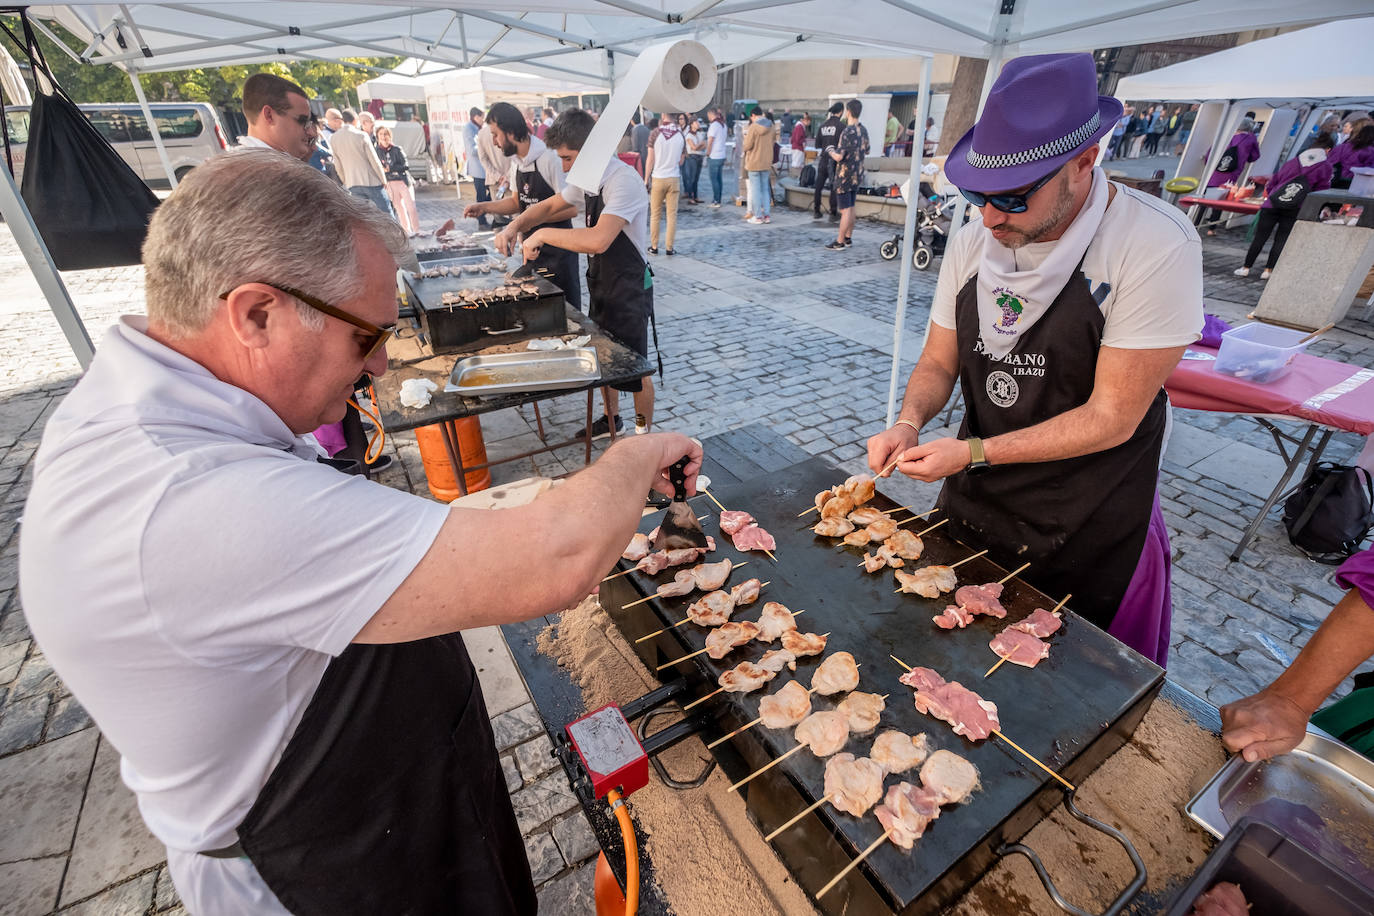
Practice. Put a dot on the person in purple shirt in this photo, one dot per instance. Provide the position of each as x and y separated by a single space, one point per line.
1357 152
1283 197
1246 151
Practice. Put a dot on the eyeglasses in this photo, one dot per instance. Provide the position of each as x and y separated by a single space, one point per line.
1011 202
377 336
307 122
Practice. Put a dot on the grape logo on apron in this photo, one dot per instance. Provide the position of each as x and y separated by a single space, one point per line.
1002 389
1011 307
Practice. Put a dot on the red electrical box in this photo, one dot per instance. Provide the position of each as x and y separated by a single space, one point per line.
610 752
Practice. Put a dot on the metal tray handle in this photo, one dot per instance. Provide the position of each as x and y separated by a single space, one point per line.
1122 899
515 330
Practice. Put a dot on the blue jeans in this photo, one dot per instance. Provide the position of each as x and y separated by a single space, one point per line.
759 203
691 176
717 166
376 194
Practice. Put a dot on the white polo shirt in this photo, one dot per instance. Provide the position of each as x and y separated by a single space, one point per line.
190 570
622 194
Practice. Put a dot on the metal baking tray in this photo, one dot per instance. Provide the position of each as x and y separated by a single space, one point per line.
1321 795
535 370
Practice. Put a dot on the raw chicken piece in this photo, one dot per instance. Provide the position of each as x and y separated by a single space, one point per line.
949 776
969 714
1040 623
952 617
711 609
747 592
881 529
860 488
864 710
711 576
824 732
639 548
785 708
928 581
852 784
752 537
897 752
1020 648
775 659
889 555
922 679
683 582
732 520
745 677
800 644
906 812
859 537
866 515
775 620
838 507
833 527
981 599
727 636
906 544
873 563
836 674
1223 899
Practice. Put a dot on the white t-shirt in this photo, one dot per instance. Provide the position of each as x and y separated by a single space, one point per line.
715 139
1148 253
190 570
622 194
668 150
542 159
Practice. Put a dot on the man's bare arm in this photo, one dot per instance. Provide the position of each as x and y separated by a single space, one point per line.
588 240
927 390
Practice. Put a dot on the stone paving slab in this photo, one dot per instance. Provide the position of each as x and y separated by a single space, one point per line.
111 839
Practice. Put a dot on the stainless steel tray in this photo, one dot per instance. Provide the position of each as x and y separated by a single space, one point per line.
535 370
1321 795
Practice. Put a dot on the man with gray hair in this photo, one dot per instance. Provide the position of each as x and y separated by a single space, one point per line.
299 719
359 168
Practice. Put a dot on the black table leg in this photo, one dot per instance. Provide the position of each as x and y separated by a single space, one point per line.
455 455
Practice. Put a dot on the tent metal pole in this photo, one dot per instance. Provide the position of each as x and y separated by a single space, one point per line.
38 24
153 127
1228 124
960 215
40 261
463 38
913 201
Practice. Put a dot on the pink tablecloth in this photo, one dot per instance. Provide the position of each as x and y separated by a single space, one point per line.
1318 390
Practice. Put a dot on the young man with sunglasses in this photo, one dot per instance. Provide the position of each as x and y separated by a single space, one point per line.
1060 315
279 117
274 647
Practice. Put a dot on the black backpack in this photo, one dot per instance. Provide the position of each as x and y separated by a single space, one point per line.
807 178
1331 512
1291 194
1229 160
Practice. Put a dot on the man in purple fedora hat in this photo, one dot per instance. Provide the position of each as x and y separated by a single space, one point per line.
1060 314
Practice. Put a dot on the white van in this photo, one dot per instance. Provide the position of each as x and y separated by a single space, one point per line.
190 131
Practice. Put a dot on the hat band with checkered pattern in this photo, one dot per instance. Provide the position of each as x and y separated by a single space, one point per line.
1065 144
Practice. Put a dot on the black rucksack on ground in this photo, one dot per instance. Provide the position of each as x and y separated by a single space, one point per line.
1229 160
1291 194
1331 512
807 178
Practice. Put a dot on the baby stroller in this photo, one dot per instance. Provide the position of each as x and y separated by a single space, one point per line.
933 218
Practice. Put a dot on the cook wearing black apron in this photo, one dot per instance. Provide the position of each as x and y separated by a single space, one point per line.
531 188
389 797
620 286
1080 522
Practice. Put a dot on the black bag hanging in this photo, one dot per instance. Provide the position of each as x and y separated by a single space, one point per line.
90 207
1229 160
1331 512
1291 194
807 177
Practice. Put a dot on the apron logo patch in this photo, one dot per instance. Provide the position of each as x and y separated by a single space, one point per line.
1011 307
1002 389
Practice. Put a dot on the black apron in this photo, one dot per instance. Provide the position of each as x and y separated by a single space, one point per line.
531 188
1080 522
389 797
621 289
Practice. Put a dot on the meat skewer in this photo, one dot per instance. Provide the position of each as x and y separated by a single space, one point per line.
972 600
743 728
745 677
930 581
747 592
858 489
863 710
824 732
732 633
1038 625
897 752
705 576
836 674
757 540
654 563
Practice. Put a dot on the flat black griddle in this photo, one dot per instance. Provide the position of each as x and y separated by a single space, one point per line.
1072 711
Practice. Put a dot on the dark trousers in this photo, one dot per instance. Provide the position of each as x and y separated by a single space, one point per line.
1280 222
825 172
483 195
691 177
1152 144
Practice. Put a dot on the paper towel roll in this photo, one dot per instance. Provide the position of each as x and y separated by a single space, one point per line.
670 76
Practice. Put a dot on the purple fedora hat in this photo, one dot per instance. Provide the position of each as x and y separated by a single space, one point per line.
1042 111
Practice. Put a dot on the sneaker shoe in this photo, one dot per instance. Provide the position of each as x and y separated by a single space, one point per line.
768 219
756 221
817 215
848 242
1266 274
641 424
1241 272
715 206
748 217
600 428
834 217
836 245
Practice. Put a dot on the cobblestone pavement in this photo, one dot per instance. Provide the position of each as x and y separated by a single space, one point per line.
756 324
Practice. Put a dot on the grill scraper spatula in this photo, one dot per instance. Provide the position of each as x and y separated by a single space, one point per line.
680 527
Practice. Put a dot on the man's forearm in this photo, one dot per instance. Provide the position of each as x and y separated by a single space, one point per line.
583 241
1080 431
927 391
1344 640
506 206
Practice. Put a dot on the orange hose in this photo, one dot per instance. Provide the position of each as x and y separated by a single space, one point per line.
378 440
627 836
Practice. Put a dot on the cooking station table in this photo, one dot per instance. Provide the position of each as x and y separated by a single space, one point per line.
745 460
410 359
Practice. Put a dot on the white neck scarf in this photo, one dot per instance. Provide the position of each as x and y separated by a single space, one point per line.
1011 301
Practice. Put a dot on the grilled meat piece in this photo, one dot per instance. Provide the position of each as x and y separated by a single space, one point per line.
949 776
833 527
728 636
774 621
853 784
863 709
897 752
835 674
906 544
785 708
745 677
711 609
824 732
800 644
928 581
866 515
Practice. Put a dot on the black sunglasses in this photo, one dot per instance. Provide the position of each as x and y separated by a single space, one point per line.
1011 202
377 336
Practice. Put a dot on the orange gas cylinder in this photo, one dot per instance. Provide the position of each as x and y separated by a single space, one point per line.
439 470
609 900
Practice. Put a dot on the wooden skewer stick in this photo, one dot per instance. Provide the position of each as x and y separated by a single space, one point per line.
804 812
1013 574
895 461
857 859
1002 659
683 659
723 509
999 734
807 512
1317 333
767 766
932 527
701 699
974 557
689 619
655 594
744 728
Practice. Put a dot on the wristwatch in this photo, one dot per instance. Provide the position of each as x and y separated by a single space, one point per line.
978 462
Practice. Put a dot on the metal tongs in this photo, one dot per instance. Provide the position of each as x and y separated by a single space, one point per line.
680 527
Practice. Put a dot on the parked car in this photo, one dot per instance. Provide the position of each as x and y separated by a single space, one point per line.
190 131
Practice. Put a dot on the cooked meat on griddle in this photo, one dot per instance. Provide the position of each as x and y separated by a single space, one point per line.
906 544
711 576
1222 899
859 537
873 563
969 714
752 537
897 752
906 812
775 659
824 732
835 674
882 529
866 515
639 548
774 621
928 581
824 497
981 599
745 677
683 582
800 644
656 562
853 784
953 617
1020 648
833 527
711 609
728 636
949 776
861 488
785 708
838 507
747 592
732 520
889 556
863 709
1040 623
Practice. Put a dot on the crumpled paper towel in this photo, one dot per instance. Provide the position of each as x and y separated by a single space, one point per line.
558 343
417 392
